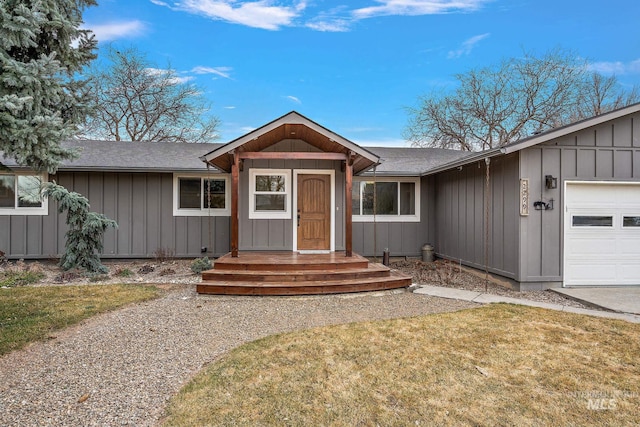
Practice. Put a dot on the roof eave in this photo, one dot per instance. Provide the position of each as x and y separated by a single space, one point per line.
464 161
292 117
573 127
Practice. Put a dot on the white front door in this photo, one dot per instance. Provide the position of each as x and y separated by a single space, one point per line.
602 234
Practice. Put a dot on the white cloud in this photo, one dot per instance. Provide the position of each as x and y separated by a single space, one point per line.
173 79
417 7
275 14
339 19
117 30
363 129
230 107
616 67
388 142
257 14
294 99
334 26
218 71
467 46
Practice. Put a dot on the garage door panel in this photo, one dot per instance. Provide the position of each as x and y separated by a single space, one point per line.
589 271
629 247
601 255
590 245
630 273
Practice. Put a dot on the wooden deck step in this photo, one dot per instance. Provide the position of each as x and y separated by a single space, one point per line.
393 281
372 270
287 261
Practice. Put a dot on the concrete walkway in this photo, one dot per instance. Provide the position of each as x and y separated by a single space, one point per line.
483 298
621 299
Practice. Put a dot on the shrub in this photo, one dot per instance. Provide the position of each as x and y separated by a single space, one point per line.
21 274
164 254
123 272
200 264
93 278
146 269
86 229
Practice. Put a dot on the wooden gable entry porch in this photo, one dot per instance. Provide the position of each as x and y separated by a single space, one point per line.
239 156
293 126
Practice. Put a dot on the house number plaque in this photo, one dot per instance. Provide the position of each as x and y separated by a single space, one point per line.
524 197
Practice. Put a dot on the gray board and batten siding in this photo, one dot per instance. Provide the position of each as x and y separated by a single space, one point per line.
403 238
607 152
400 238
131 183
141 204
527 248
460 209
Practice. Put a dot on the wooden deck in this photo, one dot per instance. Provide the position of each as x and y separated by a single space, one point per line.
291 273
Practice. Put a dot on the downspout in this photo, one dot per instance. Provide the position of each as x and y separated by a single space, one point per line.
487 190
375 209
210 247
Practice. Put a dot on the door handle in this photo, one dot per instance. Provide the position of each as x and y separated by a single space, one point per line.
298 217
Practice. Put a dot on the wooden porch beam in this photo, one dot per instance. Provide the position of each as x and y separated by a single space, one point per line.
235 180
348 207
292 156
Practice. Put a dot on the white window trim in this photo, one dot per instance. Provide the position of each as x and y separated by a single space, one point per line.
42 210
391 218
204 211
286 214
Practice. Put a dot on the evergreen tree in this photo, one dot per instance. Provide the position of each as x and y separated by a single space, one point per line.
86 230
42 50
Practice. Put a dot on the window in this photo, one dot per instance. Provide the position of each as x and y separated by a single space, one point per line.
21 194
201 195
631 221
592 221
395 200
269 194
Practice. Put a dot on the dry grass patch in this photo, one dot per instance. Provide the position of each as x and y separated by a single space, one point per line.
495 365
32 313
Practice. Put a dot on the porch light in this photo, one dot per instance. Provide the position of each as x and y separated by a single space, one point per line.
550 182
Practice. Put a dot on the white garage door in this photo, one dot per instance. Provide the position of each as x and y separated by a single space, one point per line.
602 234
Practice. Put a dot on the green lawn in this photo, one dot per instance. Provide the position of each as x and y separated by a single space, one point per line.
33 313
494 365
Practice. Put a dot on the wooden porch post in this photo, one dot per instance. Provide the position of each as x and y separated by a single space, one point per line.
235 174
348 208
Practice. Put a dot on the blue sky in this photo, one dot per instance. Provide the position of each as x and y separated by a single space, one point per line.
354 66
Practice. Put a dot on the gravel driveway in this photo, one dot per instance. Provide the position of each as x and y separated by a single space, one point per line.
131 361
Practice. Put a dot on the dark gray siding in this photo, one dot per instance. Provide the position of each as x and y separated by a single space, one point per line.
277 234
142 205
401 238
461 209
608 152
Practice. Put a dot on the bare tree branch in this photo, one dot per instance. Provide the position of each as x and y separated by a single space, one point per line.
497 105
138 102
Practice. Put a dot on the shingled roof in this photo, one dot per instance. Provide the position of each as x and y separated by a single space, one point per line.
182 157
134 156
412 161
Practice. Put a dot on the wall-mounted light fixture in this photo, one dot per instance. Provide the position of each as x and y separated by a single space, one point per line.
550 182
542 206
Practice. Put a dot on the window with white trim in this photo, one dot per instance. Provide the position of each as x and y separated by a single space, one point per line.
198 195
269 194
21 194
396 200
